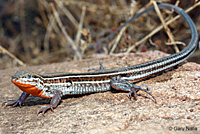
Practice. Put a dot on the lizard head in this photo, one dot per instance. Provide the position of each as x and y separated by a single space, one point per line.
25 77
28 82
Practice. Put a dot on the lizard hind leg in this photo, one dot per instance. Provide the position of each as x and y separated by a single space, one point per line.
53 104
101 67
135 87
124 85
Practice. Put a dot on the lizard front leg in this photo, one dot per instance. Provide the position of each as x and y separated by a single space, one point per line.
53 104
19 101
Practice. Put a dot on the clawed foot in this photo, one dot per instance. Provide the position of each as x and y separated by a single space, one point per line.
137 88
125 85
13 103
53 104
43 109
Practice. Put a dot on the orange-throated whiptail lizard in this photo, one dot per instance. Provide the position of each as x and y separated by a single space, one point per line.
56 85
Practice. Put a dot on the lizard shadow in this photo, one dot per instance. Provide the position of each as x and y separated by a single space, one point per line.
34 100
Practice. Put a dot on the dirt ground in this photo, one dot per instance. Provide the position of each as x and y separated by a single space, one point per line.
177 109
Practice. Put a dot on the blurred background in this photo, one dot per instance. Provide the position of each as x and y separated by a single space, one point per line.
35 32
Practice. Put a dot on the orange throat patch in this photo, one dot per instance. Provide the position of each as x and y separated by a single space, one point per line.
30 89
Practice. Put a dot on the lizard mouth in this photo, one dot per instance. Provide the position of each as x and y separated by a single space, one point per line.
21 85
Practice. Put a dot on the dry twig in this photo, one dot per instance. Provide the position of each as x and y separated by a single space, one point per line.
48 33
116 41
67 13
12 56
160 28
168 31
68 38
176 42
80 26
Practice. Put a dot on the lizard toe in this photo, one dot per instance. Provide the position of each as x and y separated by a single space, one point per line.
13 103
43 109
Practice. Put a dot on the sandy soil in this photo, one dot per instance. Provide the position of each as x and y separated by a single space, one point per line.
177 109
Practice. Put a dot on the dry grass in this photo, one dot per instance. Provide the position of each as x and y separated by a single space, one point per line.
54 31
